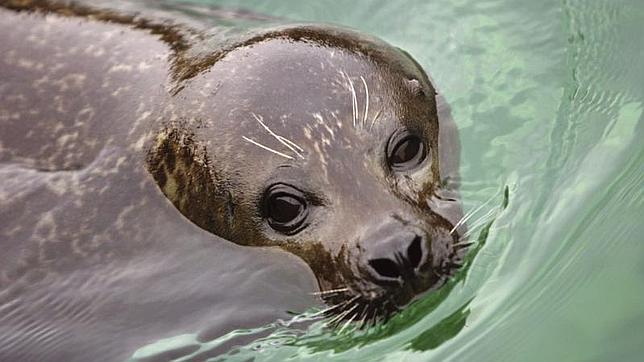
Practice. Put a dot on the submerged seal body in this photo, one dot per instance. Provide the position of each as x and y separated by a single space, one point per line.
319 141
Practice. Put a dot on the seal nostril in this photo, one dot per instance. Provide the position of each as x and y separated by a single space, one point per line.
415 252
385 267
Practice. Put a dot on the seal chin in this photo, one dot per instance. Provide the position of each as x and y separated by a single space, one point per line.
394 271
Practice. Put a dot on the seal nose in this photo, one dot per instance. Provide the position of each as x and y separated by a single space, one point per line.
397 258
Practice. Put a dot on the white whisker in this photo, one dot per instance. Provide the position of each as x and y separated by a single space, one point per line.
327 310
292 144
339 290
366 106
266 147
470 214
354 99
363 315
323 311
375 118
479 222
283 140
348 322
341 316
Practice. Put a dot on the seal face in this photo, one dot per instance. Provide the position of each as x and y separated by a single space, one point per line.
325 143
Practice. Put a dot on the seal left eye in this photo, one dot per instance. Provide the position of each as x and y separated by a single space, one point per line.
406 152
285 209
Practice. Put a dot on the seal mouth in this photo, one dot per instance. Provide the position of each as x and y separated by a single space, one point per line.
365 303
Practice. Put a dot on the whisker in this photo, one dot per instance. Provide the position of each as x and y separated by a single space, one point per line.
354 99
331 291
462 245
266 147
324 311
353 299
283 140
348 322
363 315
375 118
340 316
372 320
332 321
366 106
348 311
480 222
355 103
291 143
343 304
470 214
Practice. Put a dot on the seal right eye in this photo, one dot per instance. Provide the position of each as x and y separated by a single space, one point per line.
285 209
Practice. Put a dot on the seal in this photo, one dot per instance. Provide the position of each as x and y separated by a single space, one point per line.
325 145
320 141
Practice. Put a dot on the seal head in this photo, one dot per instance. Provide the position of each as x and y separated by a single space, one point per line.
323 142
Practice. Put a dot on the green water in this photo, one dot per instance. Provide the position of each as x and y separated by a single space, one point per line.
548 97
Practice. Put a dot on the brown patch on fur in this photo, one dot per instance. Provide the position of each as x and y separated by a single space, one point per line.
180 167
332 271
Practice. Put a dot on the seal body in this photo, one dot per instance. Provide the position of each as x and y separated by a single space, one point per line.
94 261
137 154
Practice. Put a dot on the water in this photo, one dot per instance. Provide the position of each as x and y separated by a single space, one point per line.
548 99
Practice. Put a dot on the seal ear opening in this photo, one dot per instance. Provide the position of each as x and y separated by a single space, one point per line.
180 167
426 78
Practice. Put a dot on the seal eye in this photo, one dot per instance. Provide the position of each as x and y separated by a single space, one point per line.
285 209
407 152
